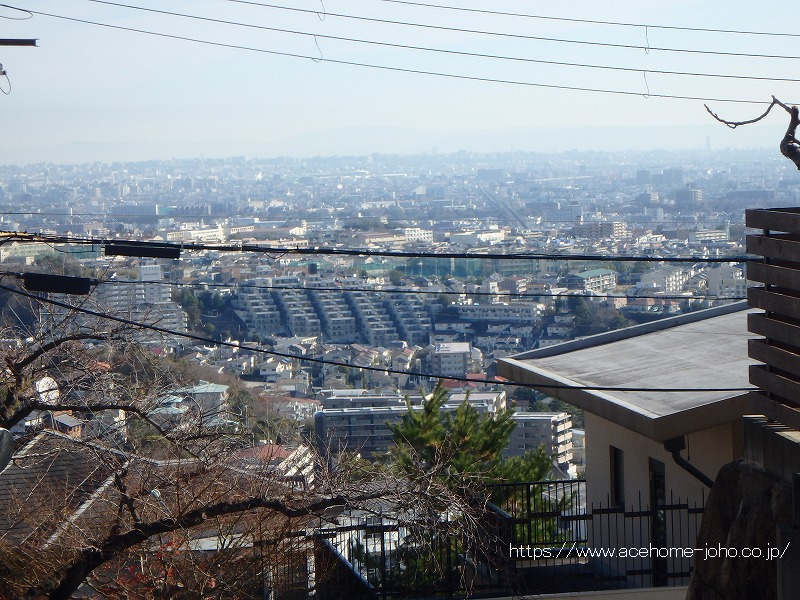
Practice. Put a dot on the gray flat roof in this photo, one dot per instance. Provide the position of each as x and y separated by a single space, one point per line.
709 351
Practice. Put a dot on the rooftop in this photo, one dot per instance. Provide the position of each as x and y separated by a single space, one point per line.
203 388
594 273
533 416
451 347
704 349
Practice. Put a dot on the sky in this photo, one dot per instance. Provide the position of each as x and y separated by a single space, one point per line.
89 93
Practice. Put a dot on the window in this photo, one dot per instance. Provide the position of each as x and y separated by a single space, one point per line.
374 529
617 479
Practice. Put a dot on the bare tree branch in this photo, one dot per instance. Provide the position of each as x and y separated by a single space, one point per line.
92 557
790 147
735 124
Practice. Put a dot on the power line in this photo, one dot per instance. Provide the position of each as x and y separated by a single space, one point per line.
512 35
444 50
29 15
321 59
592 21
328 251
413 291
218 342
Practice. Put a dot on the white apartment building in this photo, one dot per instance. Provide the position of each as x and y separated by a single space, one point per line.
416 234
451 359
710 235
501 313
551 430
666 279
726 280
471 238
593 280
154 293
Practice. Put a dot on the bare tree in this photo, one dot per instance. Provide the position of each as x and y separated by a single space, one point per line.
170 507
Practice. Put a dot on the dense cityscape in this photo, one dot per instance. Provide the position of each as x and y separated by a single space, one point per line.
448 317
303 321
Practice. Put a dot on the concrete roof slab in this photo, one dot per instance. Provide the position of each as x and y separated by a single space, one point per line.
707 353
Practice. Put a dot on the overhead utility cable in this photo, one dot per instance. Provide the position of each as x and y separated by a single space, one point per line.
446 50
459 76
218 342
133 245
513 35
592 21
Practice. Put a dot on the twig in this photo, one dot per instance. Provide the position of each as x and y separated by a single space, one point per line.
735 124
790 146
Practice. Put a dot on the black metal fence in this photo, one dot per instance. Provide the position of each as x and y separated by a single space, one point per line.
393 561
537 538
555 530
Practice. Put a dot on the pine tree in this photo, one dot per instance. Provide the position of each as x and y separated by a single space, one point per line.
465 446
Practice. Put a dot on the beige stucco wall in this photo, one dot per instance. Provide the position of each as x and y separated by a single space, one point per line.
708 450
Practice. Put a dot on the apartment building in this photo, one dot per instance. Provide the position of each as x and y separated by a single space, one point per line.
363 426
418 235
133 299
296 308
514 285
666 279
199 234
501 313
154 293
451 359
339 324
374 322
598 230
354 398
410 317
258 309
710 236
552 430
726 280
593 280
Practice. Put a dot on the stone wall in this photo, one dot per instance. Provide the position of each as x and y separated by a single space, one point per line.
744 509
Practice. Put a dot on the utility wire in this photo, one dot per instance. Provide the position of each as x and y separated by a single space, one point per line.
445 50
218 342
512 35
382 67
412 291
591 21
29 15
327 251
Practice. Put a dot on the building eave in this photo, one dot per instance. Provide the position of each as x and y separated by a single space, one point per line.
603 404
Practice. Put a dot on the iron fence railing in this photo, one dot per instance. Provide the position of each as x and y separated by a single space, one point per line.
536 538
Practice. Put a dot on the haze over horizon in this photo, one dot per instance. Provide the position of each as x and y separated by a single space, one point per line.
96 94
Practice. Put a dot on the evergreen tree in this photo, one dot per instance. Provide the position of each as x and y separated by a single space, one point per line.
464 445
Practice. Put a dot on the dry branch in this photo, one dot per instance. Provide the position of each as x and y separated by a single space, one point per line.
789 145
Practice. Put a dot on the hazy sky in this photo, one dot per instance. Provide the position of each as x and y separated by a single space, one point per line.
89 93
